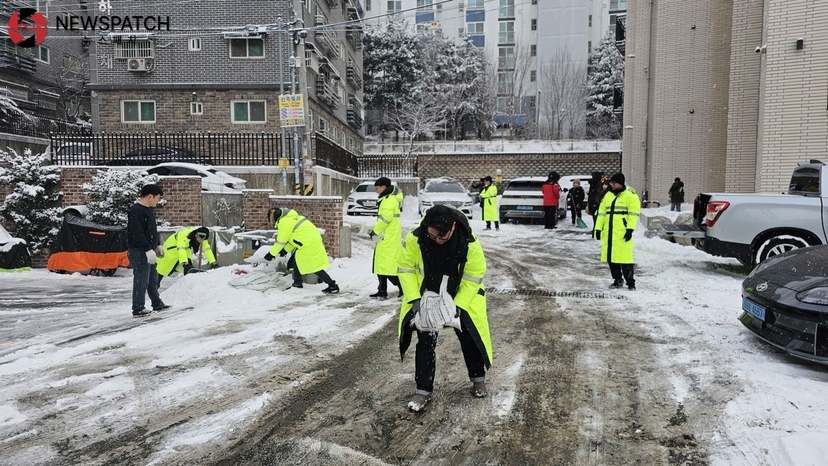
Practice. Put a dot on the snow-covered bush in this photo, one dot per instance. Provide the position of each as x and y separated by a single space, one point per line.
112 192
31 210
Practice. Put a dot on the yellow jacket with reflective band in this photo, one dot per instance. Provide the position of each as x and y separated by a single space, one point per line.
177 252
489 196
295 232
388 249
471 294
616 214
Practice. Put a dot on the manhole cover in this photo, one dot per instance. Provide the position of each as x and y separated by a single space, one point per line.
555 294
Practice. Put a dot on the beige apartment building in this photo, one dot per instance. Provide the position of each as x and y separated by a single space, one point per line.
728 95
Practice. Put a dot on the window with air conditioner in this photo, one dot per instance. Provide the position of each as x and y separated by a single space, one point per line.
196 108
194 44
137 111
249 111
247 48
133 49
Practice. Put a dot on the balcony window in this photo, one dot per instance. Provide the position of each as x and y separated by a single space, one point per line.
475 29
507 9
474 4
394 6
505 58
506 32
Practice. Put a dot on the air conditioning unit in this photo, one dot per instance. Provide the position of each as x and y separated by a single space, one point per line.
137 64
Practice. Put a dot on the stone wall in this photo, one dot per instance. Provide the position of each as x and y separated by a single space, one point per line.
324 211
468 167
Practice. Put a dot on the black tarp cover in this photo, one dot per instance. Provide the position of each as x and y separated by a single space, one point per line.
14 254
83 245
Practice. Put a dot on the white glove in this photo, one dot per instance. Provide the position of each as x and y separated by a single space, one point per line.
151 257
159 251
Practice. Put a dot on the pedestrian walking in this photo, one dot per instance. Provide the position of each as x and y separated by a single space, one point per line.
442 256
181 248
551 198
576 198
387 237
488 196
143 250
617 220
299 237
676 193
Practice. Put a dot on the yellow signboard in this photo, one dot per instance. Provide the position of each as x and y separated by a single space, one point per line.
284 163
291 110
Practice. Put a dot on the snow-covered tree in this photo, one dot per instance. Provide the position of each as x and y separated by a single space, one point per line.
392 66
606 75
112 192
31 210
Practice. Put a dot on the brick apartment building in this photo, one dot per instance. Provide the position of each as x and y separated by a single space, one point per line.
728 95
221 66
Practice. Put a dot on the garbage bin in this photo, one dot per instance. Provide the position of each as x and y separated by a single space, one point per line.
249 242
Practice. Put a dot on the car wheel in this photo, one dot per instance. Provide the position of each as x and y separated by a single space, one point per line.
779 245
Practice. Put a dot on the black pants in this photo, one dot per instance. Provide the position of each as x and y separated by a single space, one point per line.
297 276
576 214
550 216
675 207
623 271
425 363
383 282
489 225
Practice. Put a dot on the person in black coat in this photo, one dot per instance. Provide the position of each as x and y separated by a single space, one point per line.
676 195
595 194
574 200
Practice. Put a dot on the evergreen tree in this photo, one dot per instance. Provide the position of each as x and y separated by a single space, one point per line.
392 66
112 192
31 210
606 74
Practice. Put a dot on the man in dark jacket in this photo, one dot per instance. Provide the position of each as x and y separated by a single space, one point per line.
676 195
143 249
574 200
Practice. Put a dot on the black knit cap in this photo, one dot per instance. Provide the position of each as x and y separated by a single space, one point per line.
382 181
487 178
618 178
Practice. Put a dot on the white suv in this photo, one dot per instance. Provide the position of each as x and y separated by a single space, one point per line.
445 191
363 199
522 200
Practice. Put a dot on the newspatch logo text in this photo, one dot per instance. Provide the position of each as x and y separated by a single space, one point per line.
113 23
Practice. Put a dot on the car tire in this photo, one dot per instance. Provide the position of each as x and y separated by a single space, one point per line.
351 213
778 245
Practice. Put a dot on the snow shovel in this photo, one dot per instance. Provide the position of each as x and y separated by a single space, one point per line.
580 222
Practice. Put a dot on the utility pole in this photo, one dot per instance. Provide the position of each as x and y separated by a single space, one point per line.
281 93
296 61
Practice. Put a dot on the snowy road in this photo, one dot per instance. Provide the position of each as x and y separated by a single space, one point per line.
581 375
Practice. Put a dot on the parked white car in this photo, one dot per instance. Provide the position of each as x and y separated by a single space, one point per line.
211 179
445 191
522 200
363 199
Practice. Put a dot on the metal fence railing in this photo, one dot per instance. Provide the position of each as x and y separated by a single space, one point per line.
151 148
391 165
37 126
330 155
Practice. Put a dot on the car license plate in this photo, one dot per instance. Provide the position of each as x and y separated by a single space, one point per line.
524 207
753 309
370 203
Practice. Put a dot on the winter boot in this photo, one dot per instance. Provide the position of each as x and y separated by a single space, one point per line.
617 284
295 285
418 402
381 295
479 390
331 289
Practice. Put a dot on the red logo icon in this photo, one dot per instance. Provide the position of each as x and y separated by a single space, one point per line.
27 27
